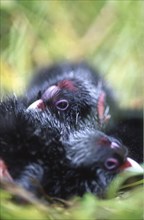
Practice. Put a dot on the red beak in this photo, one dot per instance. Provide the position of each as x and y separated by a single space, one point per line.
38 105
48 94
131 164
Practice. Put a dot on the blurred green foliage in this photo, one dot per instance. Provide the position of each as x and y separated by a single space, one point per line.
108 34
116 206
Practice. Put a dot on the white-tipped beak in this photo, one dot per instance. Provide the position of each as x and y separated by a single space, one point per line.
39 104
131 164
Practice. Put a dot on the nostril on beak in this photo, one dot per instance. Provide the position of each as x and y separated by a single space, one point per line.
111 163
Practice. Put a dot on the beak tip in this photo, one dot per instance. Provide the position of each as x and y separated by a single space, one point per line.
131 164
38 104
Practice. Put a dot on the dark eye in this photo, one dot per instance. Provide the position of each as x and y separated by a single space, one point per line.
62 104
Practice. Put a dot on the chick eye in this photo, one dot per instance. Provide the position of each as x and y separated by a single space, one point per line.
111 163
62 104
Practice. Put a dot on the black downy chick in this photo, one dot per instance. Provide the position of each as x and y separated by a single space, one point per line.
74 92
38 150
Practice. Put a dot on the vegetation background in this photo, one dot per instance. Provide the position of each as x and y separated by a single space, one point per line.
106 33
109 34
